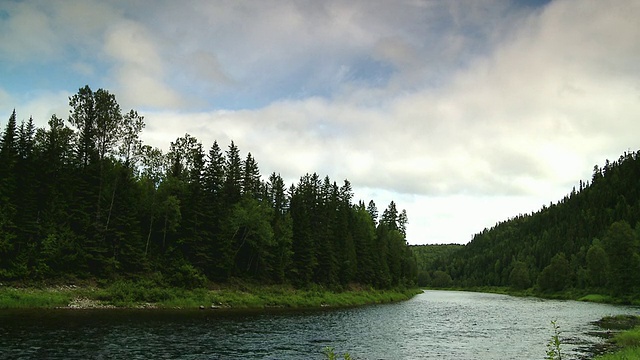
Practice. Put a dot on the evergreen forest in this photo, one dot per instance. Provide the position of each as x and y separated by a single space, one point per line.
85 198
588 241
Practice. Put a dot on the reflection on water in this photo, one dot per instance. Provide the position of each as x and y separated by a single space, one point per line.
433 325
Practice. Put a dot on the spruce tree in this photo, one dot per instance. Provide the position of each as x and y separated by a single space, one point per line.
233 176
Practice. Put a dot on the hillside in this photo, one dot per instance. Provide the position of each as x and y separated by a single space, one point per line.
584 241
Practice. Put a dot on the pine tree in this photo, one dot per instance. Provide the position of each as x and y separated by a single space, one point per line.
390 217
57 182
304 200
364 233
9 247
324 234
403 220
621 248
233 176
347 256
373 212
218 247
97 118
26 196
281 224
92 201
251 183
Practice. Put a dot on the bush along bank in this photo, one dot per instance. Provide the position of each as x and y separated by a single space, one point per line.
140 294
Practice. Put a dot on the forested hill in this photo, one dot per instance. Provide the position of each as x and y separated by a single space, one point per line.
85 198
584 241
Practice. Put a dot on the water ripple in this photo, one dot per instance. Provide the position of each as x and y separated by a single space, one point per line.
433 325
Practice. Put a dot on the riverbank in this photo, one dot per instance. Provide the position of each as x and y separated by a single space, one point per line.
130 294
571 294
626 343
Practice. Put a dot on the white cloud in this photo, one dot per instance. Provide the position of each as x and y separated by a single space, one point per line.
467 112
23 19
6 107
40 106
46 104
84 35
41 32
513 130
139 68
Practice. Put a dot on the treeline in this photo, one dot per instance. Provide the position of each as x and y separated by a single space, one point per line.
588 240
86 198
432 257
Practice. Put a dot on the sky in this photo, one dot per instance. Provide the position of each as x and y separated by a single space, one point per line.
464 113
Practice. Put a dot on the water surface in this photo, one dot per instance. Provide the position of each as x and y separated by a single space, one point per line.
432 325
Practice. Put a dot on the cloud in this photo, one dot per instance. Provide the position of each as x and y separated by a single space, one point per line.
26 33
257 53
84 35
451 103
532 113
41 32
5 97
139 68
39 106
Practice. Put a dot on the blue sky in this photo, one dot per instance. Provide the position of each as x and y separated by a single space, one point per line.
463 112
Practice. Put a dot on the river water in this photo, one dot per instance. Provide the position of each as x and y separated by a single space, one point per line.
432 325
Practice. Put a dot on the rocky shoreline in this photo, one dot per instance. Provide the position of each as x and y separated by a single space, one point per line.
82 303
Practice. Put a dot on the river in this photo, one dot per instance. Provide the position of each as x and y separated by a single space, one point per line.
432 325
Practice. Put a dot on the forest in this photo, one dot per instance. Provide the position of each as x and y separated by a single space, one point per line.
85 198
587 241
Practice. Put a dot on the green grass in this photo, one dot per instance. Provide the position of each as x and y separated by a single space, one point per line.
624 354
32 298
142 293
597 298
629 338
627 341
619 322
568 294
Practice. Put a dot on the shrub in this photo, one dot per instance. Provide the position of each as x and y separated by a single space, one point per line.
441 279
187 276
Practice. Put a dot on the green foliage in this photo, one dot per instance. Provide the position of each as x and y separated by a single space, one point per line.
619 322
186 276
597 265
152 292
32 298
603 209
441 279
629 338
596 298
430 258
556 275
85 198
125 293
621 248
627 342
554 346
632 353
519 276
330 354
248 226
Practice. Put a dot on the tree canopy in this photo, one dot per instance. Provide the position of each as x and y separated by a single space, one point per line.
588 240
85 198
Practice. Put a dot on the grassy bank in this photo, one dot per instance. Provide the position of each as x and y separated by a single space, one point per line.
627 343
130 294
569 294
